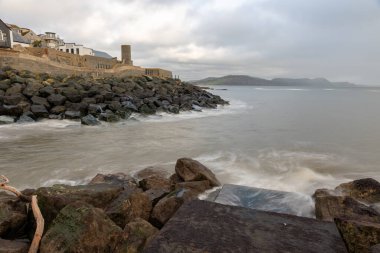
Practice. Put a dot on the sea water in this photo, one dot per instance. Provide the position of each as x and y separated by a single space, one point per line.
288 139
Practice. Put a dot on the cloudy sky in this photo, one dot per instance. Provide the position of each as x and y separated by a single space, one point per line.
336 39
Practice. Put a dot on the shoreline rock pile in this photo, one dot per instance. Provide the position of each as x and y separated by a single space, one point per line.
112 213
26 97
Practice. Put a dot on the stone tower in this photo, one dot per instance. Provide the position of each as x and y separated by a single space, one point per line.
126 54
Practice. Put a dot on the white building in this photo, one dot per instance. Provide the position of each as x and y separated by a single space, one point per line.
73 48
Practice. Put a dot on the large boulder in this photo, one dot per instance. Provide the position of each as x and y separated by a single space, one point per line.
136 235
56 99
32 89
130 204
165 209
14 89
40 101
46 91
16 246
39 111
359 236
329 207
155 182
79 227
13 216
109 116
72 114
366 190
90 120
13 99
191 170
53 199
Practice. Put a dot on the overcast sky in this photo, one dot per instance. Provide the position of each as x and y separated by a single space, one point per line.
336 39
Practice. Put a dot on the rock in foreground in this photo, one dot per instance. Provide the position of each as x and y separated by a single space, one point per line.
202 226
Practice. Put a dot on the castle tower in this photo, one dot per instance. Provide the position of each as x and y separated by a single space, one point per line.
126 54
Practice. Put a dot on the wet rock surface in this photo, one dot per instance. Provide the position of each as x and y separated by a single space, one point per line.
108 99
354 208
202 226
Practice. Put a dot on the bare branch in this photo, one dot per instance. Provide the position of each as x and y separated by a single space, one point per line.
36 212
40 226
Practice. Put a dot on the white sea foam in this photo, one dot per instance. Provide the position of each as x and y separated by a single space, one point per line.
236 106
282 89
277 170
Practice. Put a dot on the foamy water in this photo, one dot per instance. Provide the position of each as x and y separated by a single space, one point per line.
286 139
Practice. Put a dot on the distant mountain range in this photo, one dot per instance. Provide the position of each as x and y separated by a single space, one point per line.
254 81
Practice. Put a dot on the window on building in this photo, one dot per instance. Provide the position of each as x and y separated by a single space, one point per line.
72 50
1 36
67 50
77 50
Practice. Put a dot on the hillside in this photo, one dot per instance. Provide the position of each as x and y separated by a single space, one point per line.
254 81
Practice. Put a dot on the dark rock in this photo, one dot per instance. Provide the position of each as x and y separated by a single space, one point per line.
39 111
40 101
17 79
32 89
46 91
120 209
191 170
129 105
375 248
136 235
145 109
114 106
25 119
90 100
367 190
5 84
58 109
94 109
328 207
119 179
82 107
79 227
90 120
12 216
202 226
173 109
6 120
17 246
109 116
72 114
11 110
13 99
56 99
358 236
156 195
165 209
155 182
53 199
72 94
123 113
14 89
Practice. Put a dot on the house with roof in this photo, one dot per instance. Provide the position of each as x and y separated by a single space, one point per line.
10 37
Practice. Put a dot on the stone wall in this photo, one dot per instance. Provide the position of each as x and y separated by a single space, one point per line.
87 61
163 73
36 60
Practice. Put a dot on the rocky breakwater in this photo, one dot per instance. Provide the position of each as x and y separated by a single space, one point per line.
27 97
113 213
355 209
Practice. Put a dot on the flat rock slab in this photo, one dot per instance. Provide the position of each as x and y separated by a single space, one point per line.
266 200
203 226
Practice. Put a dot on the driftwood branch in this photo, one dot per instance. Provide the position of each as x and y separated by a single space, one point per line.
36 212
